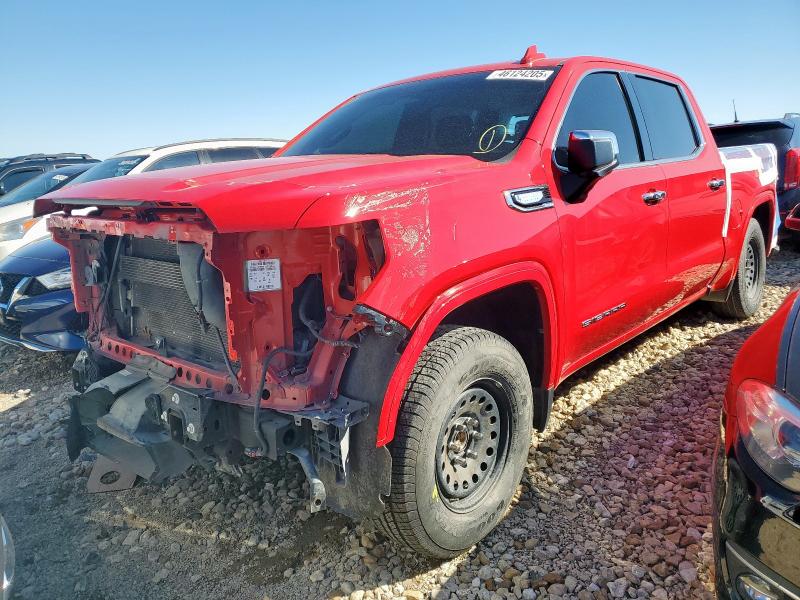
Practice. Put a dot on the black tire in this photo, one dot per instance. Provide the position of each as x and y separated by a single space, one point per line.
748 286
467 381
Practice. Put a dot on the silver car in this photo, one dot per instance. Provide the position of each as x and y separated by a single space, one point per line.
6 560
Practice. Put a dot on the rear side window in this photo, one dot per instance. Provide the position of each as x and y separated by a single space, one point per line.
267 152
599 102
16 178
227 154
666 115
181 159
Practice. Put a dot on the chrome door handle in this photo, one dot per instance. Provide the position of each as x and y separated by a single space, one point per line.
715 184
652 198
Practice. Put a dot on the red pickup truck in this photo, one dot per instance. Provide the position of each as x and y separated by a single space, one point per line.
394 298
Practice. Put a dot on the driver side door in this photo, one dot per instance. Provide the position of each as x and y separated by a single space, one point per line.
614 240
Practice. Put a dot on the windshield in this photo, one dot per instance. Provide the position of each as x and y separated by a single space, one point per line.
38 186
111 167
484 115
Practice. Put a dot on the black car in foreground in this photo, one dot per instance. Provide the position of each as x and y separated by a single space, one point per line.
785 134
757 466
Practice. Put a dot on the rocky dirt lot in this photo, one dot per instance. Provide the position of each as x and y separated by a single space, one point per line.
615 503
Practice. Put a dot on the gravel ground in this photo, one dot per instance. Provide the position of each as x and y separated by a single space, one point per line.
616 502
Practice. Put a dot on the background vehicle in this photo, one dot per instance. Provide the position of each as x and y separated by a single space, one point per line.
785 134
6 560
157 158
757 465
395 296
182 154
16 171
36 302
16 207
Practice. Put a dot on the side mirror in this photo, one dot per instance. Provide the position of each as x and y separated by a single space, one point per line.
592 153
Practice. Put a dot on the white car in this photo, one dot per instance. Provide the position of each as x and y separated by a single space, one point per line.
16 207
18 227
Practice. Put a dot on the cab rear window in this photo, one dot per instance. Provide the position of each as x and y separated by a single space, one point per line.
752 133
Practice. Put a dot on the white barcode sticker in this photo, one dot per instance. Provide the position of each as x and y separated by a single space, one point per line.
525 74
263 275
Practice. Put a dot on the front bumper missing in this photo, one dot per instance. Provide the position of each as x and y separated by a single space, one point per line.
145 425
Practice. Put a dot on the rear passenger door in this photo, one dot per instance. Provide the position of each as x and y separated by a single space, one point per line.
613 240
696 196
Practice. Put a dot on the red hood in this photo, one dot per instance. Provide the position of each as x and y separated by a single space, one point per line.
265 194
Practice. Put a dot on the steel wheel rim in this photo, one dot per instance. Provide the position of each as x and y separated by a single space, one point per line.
750 268
471 447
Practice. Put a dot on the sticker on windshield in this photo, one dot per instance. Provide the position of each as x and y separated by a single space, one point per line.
527 74
263 275
60 177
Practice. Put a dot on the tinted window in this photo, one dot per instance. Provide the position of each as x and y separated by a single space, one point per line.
17 178
181 159
668 125
38 186
226 154
483 115
111 167
267 152
761 133
600 103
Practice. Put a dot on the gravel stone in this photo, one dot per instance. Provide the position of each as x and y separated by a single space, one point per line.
615 502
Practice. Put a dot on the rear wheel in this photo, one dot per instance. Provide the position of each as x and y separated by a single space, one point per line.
461 443
748 287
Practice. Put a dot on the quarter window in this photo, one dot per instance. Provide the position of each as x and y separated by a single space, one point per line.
181 159
669 126
599 102
228 154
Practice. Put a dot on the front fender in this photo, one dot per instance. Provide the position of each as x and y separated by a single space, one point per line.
530 272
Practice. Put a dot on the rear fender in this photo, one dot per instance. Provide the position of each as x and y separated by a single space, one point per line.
734 242
444 304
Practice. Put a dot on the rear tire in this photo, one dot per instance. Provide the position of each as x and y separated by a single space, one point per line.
748 286
462 441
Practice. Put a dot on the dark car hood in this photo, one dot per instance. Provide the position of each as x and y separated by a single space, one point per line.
36 258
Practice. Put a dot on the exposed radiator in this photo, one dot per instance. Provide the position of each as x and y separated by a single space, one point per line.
152 307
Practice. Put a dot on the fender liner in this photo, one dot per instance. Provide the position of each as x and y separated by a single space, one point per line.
530 272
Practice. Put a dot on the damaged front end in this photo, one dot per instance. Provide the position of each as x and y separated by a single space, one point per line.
206 348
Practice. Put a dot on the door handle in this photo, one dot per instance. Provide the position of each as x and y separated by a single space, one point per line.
652 198
715 184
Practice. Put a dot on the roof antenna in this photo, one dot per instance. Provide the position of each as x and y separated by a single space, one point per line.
735 116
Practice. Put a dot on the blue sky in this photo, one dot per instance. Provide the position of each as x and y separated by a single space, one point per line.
105 76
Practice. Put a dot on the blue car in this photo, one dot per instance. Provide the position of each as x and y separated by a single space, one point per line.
36 303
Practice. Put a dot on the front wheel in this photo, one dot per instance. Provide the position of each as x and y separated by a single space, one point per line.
748 286
461 444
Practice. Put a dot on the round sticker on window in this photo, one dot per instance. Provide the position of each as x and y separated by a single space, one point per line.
491 139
